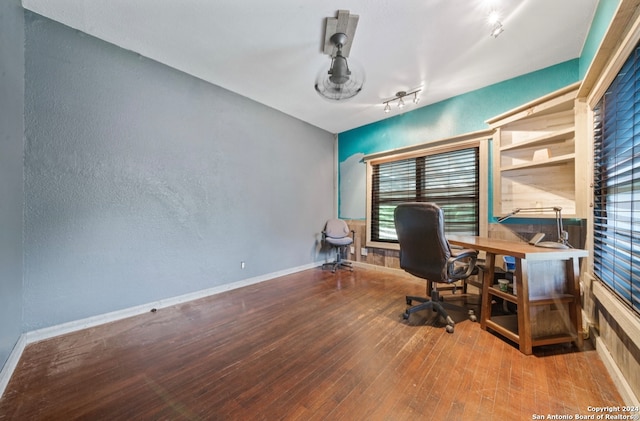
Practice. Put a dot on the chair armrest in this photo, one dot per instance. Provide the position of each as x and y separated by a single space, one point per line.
467 259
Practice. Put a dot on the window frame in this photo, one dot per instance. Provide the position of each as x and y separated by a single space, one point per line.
480 139
617 46
604 231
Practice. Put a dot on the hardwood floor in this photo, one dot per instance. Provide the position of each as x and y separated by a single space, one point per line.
312 345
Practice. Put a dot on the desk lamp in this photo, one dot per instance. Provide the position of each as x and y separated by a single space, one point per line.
563 236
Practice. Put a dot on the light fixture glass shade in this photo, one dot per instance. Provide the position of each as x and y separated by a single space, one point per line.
387 108
343 80
401 103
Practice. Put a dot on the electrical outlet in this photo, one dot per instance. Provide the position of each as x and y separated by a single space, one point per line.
352 250
363 251
241 265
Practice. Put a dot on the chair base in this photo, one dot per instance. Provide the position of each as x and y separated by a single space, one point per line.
338 265
437 305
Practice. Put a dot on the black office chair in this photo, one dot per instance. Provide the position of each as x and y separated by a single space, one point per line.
336 234
425 253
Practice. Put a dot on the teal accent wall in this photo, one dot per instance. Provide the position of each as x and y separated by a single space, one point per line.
454 116
458 115
601 20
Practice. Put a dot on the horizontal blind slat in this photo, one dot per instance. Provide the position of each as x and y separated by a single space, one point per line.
450 179
616 212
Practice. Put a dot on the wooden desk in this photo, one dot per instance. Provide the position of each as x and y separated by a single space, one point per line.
545 278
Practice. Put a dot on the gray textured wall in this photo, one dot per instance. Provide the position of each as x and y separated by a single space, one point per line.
11 173
144 183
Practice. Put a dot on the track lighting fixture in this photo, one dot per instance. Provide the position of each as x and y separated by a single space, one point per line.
496 25
400 98
497 29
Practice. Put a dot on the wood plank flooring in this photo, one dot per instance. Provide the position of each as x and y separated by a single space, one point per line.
310 346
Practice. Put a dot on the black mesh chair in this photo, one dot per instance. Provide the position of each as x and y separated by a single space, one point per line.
425 253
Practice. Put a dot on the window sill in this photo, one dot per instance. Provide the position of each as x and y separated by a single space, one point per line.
381 245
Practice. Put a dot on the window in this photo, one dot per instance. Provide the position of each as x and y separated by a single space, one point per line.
617 184
449 179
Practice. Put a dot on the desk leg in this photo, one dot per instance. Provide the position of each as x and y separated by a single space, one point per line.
524 314
487 281
575 308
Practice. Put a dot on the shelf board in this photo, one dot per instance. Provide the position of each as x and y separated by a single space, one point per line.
560 99
538 164
553 339
541 140
507 326
561 298
495 291
533 301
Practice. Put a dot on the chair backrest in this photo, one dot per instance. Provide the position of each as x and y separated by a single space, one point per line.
424 249
336 228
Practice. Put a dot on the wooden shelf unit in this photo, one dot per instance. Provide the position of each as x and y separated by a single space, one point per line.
535 154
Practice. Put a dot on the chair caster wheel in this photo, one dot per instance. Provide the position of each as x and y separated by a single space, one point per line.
449 329
405 315
472 316
408 301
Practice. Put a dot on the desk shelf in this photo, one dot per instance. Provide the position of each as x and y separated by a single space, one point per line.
507 325
543 301
533 301
541 273
554 339
495 291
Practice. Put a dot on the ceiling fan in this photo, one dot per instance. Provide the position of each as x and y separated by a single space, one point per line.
343 80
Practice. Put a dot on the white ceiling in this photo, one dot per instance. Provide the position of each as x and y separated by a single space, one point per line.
270 50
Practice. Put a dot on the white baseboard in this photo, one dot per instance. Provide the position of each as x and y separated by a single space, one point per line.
12 363
64 328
